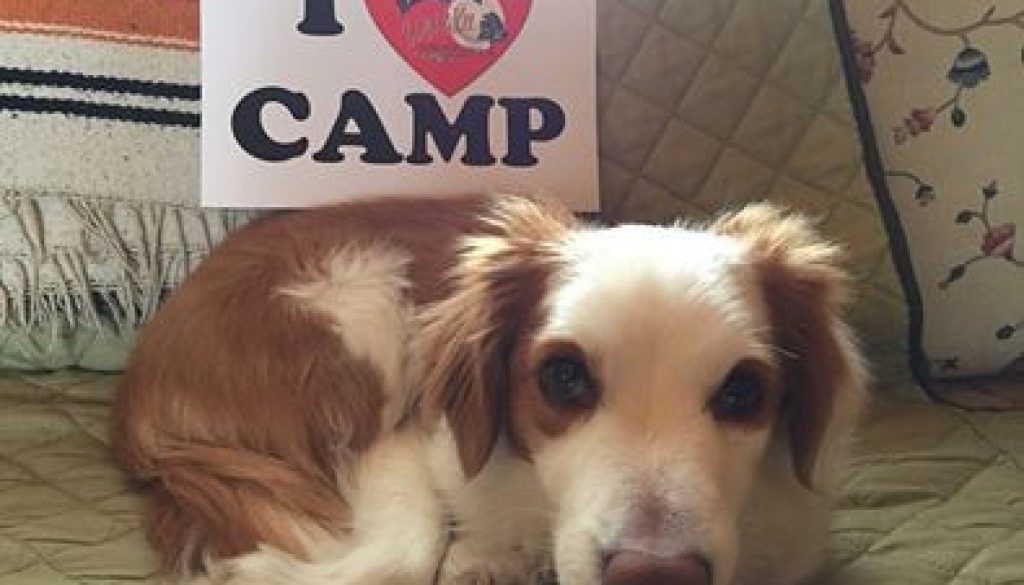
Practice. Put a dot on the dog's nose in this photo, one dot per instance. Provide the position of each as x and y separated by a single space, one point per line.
637 568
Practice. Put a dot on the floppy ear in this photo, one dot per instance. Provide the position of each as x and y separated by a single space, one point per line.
466 340
804 289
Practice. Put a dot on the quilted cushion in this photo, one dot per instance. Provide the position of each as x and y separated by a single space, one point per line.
939 86
933 496
704 104
708 104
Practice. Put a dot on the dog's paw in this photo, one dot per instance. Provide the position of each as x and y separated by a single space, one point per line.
461 566
265 566
465 566
476 576
480 575
370 565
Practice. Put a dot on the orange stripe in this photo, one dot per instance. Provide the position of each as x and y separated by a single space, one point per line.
98 35
148 22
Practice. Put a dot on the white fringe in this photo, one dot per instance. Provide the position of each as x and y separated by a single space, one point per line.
83 259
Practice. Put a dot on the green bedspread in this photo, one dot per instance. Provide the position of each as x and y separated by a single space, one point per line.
936 495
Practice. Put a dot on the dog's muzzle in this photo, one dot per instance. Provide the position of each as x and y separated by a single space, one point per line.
628 567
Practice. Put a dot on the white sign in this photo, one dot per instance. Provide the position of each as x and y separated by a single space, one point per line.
307 102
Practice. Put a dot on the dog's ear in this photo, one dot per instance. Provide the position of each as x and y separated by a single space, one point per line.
466 340
804 289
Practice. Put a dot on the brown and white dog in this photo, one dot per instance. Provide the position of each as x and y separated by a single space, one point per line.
407 392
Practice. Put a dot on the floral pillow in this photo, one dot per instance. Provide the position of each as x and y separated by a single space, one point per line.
937 86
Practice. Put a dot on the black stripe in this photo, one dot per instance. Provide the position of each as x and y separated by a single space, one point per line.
103 111
100 83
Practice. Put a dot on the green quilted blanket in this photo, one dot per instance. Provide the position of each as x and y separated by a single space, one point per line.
935 496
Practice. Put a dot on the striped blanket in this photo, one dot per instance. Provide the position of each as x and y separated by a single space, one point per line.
99 173
125 76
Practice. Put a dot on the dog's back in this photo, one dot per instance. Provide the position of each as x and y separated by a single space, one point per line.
235 455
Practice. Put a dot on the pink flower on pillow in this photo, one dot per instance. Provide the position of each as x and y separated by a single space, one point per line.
920 120
998 241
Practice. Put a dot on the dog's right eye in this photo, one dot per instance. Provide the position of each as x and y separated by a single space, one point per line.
566 382
740 398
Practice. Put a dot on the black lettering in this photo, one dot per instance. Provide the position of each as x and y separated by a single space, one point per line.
320 19
377 145
471 123
521 135
247 124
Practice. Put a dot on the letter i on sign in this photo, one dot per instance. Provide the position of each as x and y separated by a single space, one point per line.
319 19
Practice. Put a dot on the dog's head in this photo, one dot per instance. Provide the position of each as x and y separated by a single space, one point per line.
643 371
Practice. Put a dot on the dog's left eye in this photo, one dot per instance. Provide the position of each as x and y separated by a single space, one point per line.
565 381
740 398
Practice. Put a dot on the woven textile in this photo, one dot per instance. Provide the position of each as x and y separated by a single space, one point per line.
99 109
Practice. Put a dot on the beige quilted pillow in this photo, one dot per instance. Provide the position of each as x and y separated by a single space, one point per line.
942 81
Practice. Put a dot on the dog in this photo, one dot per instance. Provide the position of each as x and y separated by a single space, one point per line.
477 24
486 390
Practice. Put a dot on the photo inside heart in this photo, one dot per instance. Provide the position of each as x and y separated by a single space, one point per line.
450 43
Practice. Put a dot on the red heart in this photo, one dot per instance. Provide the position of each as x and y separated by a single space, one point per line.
450 43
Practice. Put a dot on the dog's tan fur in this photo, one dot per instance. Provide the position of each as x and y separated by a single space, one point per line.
331 380
237 404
